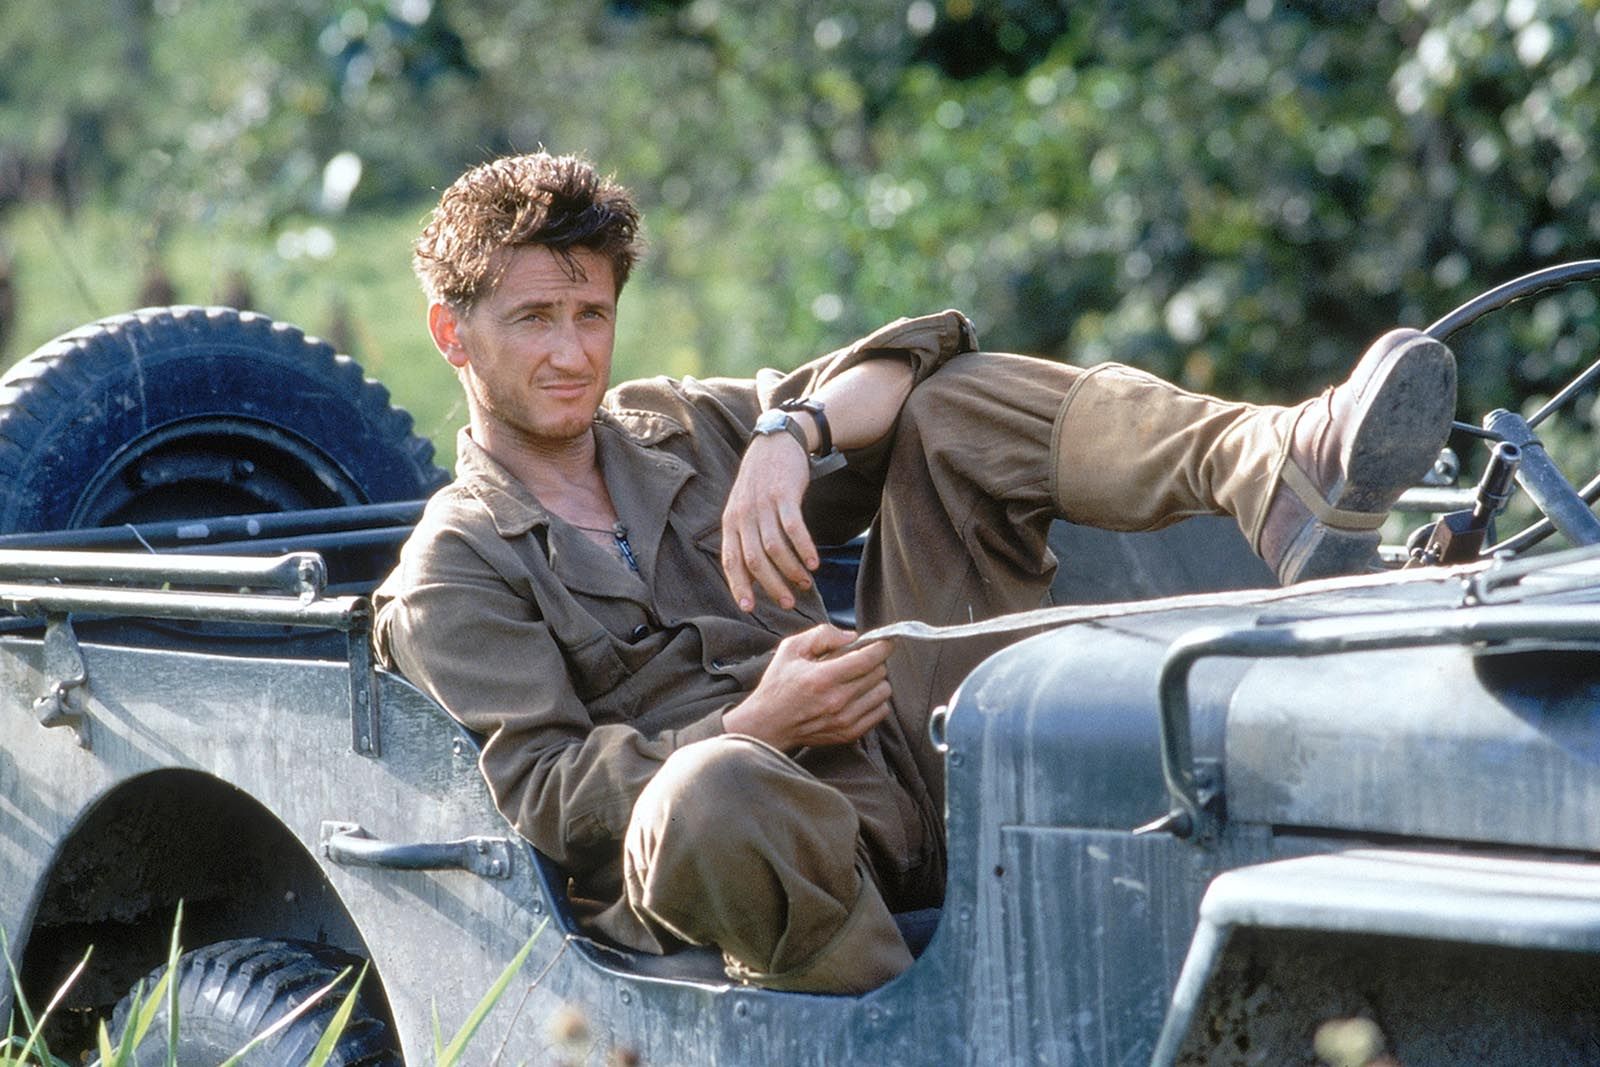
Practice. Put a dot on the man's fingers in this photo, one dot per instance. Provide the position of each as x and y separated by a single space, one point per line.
761 551
820 640
760 567
794 528
859 661
867 710
734 570
780 551
870 706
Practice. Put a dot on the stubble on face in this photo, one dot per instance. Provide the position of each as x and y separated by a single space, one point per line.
538 351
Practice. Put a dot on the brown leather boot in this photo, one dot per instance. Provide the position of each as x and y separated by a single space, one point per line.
1309 485
1351 452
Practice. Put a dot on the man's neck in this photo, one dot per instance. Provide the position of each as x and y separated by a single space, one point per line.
565 476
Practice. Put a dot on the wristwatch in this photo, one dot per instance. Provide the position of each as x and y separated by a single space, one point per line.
779 420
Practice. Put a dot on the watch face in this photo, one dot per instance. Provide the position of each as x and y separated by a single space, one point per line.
772 421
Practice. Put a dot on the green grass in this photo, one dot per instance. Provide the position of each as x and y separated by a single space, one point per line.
30 1050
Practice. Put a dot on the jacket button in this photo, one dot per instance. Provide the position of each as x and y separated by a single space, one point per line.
640 630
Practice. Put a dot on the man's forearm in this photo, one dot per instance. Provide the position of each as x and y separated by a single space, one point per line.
862 403
765 543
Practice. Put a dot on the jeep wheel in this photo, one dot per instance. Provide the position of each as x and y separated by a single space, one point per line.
231 991
189 412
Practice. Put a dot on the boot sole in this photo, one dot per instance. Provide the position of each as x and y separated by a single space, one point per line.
1402 417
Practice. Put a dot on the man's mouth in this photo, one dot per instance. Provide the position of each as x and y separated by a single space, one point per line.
565 388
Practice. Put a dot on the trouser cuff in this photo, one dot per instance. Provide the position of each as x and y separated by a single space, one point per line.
865 953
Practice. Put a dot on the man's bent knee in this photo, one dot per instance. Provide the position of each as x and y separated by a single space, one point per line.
698 784
726 823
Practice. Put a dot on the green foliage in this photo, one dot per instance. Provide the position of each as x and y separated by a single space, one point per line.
1237 195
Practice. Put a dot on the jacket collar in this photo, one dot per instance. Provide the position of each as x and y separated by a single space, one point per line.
643 480
511 505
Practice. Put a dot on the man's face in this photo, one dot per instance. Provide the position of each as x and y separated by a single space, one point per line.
535 351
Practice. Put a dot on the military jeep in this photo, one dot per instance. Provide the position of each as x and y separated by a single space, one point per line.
1191 818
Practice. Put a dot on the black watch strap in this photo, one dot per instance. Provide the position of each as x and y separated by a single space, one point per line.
818 413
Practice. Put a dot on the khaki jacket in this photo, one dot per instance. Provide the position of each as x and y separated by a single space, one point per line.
581 675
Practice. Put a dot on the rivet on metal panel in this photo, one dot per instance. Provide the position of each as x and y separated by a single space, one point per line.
626 996
964 913
741 1009
956 759
938 721
457 748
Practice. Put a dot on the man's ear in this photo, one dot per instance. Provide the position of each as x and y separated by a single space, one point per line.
444 323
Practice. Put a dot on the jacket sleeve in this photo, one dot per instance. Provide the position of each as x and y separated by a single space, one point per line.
841 505
928 342
459 629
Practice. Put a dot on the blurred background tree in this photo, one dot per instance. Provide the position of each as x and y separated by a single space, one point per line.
1237 195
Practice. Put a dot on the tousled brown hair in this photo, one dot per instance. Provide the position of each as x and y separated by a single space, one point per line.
559 202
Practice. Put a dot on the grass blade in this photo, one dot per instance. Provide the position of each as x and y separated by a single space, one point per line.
452 1052
108 1055
143 1015
173 952
36 1034
341 1019
28 1020
288 1020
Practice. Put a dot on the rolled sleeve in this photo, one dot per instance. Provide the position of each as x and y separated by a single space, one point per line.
928 342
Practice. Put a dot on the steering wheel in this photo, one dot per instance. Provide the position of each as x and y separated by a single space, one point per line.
1516 449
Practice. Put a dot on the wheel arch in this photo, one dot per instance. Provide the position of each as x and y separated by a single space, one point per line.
155 841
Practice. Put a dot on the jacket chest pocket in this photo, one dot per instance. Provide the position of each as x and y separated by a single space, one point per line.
594 665
607 641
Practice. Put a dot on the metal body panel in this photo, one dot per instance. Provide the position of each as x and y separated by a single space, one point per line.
1492 900
253 723
1081 927
1492 747
1063 932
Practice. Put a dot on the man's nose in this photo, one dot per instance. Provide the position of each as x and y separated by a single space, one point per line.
566 348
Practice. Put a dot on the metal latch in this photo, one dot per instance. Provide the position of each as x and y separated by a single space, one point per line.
63 666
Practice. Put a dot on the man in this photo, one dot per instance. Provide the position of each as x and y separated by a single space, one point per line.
616 590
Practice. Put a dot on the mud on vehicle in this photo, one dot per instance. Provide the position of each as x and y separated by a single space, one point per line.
1190 818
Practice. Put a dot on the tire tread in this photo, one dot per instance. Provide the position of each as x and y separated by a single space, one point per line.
248 984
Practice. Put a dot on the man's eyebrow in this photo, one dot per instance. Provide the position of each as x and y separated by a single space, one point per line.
522 307
531 304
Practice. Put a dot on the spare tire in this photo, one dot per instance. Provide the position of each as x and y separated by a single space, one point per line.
188 412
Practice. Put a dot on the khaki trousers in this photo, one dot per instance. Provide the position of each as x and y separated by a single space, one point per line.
793 864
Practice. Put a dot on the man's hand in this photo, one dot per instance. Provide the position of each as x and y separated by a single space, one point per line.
810 697
764 538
